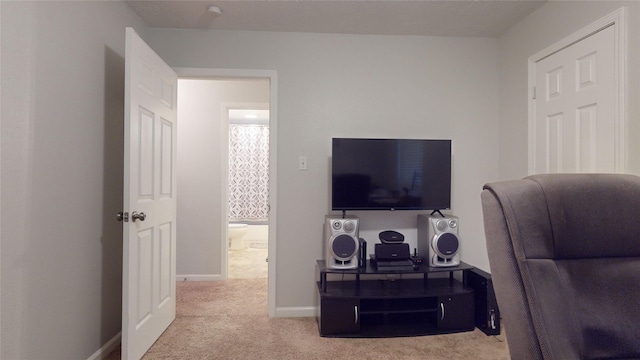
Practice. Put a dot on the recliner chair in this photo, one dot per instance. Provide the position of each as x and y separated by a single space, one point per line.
564 253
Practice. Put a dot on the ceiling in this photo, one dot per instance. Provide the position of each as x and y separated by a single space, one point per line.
463 18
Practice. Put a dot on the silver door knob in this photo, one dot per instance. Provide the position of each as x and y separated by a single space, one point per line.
122 216
138 216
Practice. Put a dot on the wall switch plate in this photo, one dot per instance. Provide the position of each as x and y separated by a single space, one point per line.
302 163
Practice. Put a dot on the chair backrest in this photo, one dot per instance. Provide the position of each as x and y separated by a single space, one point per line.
564 252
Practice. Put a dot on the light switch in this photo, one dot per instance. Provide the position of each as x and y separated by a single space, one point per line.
302 163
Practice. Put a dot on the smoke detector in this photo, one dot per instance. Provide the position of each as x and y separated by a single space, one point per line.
214 10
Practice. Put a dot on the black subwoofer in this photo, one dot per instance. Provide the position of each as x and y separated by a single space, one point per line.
487 315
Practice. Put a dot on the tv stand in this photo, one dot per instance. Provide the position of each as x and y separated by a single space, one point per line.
367 302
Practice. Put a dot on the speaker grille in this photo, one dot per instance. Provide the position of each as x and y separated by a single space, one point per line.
343 247
447 244
349 226
441 225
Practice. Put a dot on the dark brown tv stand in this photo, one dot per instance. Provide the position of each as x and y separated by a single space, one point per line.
367 302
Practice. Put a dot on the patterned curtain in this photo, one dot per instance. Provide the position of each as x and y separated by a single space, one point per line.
248 172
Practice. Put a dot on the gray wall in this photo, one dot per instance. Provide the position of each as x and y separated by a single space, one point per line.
547 25
360 86
62 124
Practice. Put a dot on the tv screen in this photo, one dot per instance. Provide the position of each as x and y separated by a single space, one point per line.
390 174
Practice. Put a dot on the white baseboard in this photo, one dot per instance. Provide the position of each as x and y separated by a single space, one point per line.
107 348
302 311
199 277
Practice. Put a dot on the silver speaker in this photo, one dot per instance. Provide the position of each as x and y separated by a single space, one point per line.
438 240
341 242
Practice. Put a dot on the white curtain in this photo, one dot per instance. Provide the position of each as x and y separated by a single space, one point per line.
248 172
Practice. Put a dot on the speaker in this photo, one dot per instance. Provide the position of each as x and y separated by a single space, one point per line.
391 237
487 315
438 240
341 242
386 252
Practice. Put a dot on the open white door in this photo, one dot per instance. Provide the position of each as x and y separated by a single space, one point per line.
149 248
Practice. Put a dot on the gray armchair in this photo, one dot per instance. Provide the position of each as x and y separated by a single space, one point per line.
564 252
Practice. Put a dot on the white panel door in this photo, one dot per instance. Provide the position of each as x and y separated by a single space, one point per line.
149 249
575 107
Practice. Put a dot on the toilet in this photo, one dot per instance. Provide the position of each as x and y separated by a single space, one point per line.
236 233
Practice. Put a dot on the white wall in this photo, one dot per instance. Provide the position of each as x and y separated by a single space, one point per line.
62 122
202 167
547 25
356 85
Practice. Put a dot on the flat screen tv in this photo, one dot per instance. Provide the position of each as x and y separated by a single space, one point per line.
390 174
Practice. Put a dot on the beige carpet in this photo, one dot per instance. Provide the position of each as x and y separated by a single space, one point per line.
228 320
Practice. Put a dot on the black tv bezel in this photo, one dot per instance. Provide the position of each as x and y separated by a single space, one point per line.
391 208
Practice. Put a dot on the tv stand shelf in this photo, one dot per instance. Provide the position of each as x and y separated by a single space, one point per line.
366 302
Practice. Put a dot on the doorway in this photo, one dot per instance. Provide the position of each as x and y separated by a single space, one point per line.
248 194
203 205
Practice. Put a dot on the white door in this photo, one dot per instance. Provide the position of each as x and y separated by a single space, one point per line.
149 249
575 108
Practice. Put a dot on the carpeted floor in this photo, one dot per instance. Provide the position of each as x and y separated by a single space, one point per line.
228 320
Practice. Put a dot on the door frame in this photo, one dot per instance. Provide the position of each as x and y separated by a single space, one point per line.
229 74
617 19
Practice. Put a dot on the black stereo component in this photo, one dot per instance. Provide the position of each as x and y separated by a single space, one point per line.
391 237
487 315
362 259
392 265
392 252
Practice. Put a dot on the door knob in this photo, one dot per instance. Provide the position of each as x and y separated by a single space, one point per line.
138 216
122 216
